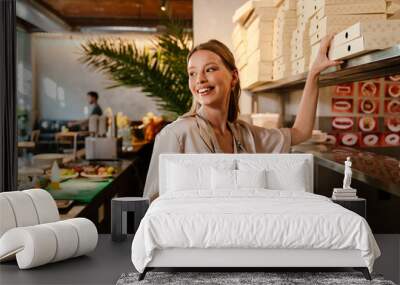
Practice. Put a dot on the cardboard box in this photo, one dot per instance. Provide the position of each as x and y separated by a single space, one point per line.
277 3
340 20
265 27
282 63
258 41
314 53
300 53
320 34
393 10
255 74
282 23
392 7
265 14
262 54
241 62
280 73
280 45
240 51
389 29
255 59
378 6
287 5
363 44
282 53
289 14
258 19
300 65
318 4
238 35
257 37
305 8
244 11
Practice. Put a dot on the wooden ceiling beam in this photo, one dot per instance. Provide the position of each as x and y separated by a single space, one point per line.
87 22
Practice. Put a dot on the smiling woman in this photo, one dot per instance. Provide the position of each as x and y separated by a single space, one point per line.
212 124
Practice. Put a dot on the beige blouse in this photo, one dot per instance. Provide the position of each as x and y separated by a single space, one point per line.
194 134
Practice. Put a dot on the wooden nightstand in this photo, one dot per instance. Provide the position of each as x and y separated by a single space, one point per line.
358 206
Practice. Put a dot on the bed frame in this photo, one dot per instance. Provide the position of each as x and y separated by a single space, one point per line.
246 258
242 259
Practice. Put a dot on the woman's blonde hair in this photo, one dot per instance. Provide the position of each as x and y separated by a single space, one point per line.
229 61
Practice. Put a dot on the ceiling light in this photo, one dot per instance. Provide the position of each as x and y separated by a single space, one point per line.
163 5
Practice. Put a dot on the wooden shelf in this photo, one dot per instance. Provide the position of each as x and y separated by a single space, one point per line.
368 66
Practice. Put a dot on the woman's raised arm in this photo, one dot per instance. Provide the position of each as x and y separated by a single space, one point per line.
303 125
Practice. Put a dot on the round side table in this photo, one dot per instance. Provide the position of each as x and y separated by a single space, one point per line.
119 208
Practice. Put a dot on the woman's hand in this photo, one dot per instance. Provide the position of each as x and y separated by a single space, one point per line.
322 61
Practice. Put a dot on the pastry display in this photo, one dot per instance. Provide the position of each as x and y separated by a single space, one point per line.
342 123
342 105
392 139
370 139
349 139
393 90
392 106
367 124
369 106
344 89
331 139
393 124
369 88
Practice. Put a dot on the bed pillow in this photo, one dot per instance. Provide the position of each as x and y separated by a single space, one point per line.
251 178
184 174
293 179
223 179
281 174
183 177
227 179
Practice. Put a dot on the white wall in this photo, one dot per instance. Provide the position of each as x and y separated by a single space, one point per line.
212 19
62 81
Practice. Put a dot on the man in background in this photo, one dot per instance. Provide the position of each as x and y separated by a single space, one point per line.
93 99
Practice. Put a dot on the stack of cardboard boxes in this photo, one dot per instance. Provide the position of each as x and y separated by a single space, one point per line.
252 40
333 16
274 39
300 43
284 25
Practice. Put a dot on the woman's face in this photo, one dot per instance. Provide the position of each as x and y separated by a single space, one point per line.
210 81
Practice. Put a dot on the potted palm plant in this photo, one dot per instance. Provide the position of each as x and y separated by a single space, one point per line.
160 70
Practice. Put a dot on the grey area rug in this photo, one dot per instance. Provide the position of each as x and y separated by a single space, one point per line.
232 278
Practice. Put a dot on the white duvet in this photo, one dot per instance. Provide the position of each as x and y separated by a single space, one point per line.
251 218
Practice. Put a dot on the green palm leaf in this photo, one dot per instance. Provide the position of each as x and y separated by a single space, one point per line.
160 70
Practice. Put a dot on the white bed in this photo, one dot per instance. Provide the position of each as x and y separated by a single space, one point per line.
219 210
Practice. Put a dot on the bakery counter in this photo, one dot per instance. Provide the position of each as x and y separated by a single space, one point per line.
379 171
376 178
92 198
